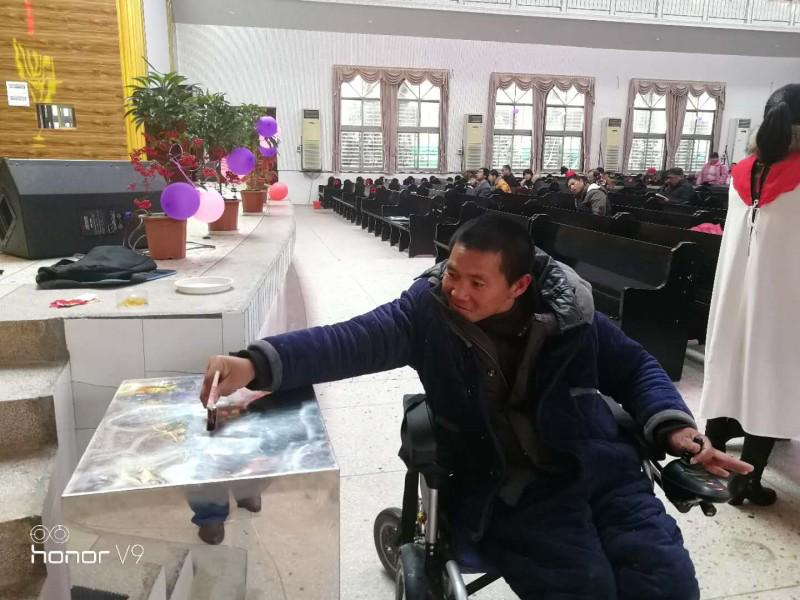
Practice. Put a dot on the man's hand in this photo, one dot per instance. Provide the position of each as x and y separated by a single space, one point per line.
718 463
234 373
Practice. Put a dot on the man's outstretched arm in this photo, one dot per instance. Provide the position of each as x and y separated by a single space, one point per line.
379 340
635 379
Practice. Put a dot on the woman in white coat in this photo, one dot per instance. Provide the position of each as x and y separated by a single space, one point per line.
752 371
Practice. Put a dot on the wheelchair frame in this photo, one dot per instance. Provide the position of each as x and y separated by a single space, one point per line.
410 542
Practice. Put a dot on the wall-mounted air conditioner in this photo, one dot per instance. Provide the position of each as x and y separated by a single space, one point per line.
611 144
473 142
738 136
311 157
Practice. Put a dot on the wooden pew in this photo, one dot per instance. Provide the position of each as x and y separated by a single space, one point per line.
625 225
445 229
410 224
647 287
345 205
371 209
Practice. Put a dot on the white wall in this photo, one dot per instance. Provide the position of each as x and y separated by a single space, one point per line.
292 70
156 34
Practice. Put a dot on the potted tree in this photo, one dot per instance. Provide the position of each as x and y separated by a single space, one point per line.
166 237
162 104
218 125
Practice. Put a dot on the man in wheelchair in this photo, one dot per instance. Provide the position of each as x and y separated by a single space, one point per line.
513 359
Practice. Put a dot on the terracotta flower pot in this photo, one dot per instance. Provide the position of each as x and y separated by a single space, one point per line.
229 221
253 201
166 238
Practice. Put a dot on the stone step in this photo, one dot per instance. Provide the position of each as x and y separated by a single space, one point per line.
25 482
41 340
27 411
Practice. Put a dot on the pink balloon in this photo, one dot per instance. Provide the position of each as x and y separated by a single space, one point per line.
278 190
211 206
180 200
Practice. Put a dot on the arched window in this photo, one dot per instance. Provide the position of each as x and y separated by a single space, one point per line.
361 139
418 127
563 130
513 120
697 136
648 147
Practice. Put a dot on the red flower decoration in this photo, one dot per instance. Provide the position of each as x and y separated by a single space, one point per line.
142 203
131 186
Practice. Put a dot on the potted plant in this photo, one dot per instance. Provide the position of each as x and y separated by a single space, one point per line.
163 105
218 125
166 237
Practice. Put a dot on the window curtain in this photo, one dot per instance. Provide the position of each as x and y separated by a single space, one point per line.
677 93
541 85
390 80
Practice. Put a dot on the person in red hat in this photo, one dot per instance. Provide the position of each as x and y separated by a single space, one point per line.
651 176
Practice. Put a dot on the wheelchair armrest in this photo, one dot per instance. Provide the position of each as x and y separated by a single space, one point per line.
419 449
626 423
684 484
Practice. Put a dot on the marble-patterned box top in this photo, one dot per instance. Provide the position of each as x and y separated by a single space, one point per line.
154 434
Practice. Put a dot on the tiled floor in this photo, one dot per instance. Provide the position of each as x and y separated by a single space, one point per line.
742 553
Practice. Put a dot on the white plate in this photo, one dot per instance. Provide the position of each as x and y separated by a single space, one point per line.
204 285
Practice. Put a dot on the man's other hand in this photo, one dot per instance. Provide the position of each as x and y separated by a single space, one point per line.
234 373
718 463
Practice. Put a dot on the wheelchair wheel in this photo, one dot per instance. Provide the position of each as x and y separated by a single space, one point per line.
386 533
412 582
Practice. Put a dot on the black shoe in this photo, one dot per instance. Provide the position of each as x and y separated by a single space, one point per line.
252 504
721 430
213 533
744 487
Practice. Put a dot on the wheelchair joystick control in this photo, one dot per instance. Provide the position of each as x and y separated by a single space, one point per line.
688 485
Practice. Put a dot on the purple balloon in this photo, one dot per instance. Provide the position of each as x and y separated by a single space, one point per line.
241 161
180 200
267 126
267 151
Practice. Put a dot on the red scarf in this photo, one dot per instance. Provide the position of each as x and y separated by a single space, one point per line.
783 177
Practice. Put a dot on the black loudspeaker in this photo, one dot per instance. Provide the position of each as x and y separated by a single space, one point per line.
55 208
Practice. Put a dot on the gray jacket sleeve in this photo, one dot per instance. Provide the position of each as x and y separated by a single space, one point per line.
598 202
483 190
